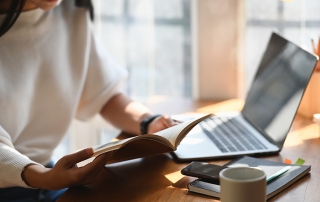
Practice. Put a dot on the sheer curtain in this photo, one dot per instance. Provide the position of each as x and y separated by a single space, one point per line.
297 20
151 38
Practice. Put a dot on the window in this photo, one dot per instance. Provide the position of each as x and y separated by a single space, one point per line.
297 20
151 38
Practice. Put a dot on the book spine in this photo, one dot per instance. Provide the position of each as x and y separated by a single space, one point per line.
194 182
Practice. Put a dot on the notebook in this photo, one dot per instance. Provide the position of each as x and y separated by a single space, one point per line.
274 186
270 107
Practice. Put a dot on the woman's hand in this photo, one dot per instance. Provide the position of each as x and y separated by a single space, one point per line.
66 173
160 123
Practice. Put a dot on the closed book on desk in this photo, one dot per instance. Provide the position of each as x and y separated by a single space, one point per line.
273 187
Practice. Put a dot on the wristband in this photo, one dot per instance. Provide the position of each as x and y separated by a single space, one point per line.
145 123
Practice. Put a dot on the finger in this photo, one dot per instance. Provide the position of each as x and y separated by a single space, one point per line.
97 163
87 174
176 121
72 159
168 121
103 158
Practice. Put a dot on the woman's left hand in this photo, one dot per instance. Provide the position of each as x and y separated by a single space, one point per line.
162 122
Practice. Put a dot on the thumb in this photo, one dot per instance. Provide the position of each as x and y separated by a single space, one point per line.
72 159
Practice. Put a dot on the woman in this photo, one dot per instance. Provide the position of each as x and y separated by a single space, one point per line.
52 69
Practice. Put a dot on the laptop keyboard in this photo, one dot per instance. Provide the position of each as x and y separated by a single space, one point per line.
229 135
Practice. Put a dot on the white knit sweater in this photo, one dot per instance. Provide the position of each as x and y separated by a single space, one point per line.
52 69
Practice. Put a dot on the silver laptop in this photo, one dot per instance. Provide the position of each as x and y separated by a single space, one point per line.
270 107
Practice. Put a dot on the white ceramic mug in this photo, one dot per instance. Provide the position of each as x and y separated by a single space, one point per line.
242 184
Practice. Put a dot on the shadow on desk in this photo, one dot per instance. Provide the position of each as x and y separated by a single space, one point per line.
126 182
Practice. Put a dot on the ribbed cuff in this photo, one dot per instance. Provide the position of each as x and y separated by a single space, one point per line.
12 163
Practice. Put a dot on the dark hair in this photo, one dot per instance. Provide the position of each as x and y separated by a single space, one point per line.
16 8
86 4
13 13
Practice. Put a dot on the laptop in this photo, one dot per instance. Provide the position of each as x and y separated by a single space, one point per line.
270 107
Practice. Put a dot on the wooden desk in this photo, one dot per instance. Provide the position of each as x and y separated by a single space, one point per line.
158 178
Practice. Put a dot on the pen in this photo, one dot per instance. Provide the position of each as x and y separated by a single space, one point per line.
280 172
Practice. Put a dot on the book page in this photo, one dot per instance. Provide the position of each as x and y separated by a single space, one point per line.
173 132
269 167
177 132
110 146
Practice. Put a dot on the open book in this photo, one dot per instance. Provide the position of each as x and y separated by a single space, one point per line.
166 140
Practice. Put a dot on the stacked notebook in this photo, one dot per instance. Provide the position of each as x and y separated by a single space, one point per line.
273 187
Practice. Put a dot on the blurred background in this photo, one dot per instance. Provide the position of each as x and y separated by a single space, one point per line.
190 49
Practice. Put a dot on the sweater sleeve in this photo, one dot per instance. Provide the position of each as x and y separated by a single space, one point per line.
12 163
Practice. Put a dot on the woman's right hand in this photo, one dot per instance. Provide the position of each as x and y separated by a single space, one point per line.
66 173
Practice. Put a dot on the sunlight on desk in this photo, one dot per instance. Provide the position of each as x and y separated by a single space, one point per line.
300 135
174 177
229 105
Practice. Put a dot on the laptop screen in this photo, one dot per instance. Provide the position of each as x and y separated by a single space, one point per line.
278 87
